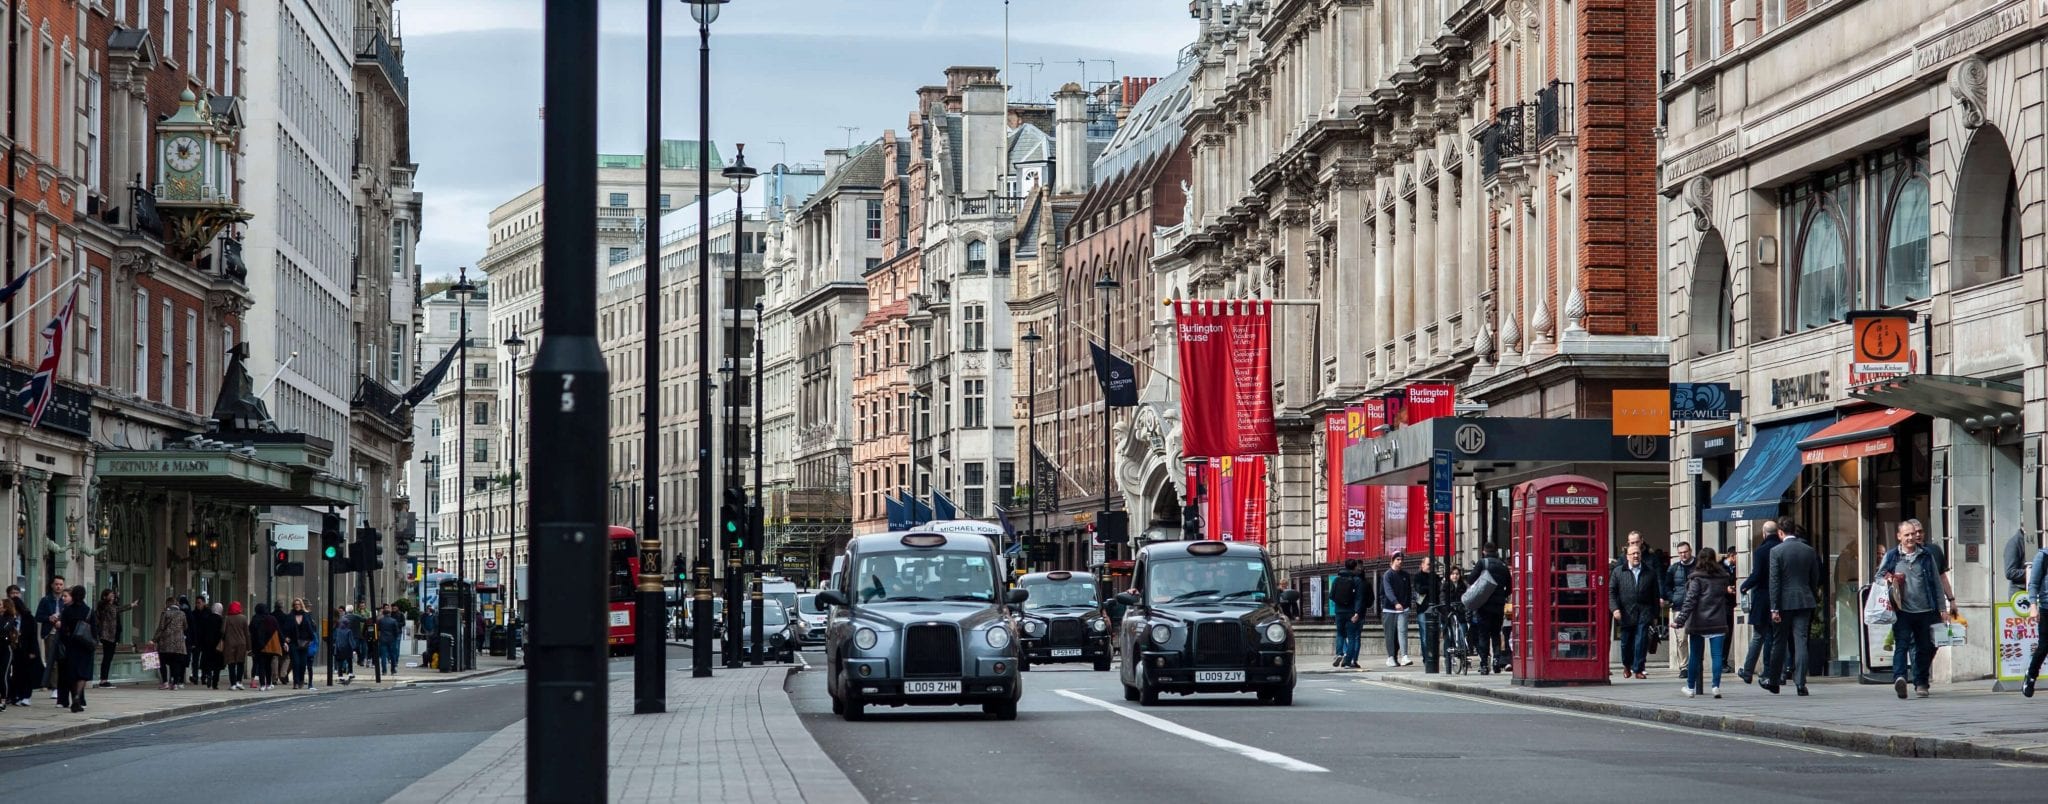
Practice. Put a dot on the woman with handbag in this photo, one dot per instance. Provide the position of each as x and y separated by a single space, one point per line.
25 667
303 638
170 643
10 642
234 644
268 644
107 618
79 639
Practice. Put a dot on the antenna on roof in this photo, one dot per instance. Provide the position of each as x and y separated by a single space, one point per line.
849 135
1031 76
785 149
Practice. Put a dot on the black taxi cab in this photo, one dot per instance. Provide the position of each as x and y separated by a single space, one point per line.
1204 617
1062 621
925 623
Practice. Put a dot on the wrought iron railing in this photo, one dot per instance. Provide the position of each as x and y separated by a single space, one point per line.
372 46
1554 111
372 396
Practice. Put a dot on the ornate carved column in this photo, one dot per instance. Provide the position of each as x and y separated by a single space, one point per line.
1426 291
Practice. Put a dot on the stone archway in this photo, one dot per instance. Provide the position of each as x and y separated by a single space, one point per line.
1711 298
1984 237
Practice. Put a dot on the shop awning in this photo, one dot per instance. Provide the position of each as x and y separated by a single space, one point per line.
1758 485
1858 435
1994 403
226 475
1503 445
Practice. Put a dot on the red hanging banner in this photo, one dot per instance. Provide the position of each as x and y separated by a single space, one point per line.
1334 430
1226 377
1251 496
1427 402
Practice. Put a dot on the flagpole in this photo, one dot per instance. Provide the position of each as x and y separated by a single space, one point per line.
75 276
280 373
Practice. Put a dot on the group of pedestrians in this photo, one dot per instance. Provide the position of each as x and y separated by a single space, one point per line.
1400 593
53 644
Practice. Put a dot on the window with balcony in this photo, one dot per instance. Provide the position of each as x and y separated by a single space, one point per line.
617 201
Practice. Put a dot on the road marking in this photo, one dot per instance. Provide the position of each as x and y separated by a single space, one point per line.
1331 689
437 692
1744 738
1280 761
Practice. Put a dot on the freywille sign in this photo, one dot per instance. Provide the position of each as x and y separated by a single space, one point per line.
1226 377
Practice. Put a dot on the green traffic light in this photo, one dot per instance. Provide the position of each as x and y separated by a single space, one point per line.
332 552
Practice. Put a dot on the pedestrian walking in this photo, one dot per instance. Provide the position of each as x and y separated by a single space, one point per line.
302 638
1674 594
78 640
25 667
268 645
12 620
1795 593
2037 588
234 644
170 645
205 649
1395 594
1703 617
344 647
390 627
1491 613
1637 594
1918 574
1347 597
1425 583
46 629
191 651
107 618
1763 634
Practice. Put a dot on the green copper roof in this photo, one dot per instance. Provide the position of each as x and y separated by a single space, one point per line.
674 154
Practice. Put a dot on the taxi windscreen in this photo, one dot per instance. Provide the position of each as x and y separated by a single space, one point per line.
925 575
1059 594
1216 579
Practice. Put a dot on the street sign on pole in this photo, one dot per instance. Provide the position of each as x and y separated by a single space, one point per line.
1440 475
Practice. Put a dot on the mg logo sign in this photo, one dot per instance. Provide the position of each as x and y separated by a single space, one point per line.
1469 438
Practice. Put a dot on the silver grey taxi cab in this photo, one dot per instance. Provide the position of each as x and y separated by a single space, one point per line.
925 624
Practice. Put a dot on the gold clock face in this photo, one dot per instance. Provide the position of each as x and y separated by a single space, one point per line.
182 153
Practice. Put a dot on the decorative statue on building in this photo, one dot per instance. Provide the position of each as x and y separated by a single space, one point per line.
1187 204
238 408
1969 82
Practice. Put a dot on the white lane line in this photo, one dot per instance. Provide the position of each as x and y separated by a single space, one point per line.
1742 738
1280 761
1331 689
437 692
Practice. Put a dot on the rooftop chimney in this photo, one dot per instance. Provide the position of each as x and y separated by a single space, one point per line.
834 157
1070 141
985 146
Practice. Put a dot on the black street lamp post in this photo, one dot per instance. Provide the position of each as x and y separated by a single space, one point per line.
740 176
1107 286
463 290
755 516
704 12
566 681
515 345
650 651
1031 338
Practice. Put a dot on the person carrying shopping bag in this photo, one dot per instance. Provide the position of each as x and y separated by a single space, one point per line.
170 644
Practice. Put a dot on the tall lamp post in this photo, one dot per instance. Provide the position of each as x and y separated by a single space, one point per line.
650 651
755 517
1030 339
463 290
740 176
1107 287
514 346
704 12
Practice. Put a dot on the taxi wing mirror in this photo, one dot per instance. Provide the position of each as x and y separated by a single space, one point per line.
1127 598
829 597
1290 595
1016 596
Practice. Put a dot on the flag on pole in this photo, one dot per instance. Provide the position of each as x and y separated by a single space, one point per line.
943 508
43 385
15 285
428 381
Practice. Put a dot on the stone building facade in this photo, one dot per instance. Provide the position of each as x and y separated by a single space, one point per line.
1821 159
882 463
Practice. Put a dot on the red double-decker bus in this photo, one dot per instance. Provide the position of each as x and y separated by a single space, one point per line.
622 579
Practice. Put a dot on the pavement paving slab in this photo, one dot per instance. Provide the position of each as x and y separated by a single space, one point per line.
132 702
734 737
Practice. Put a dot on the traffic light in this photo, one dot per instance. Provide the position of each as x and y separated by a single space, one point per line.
282 565
403 546
330 543
1113 527
367 554
1191 523
732 518
680 569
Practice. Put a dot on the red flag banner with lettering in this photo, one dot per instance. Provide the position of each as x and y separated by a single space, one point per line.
1235 501
1334 430
1226 377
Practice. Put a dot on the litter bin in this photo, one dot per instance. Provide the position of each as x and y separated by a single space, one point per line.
1430 637
444 655
497 640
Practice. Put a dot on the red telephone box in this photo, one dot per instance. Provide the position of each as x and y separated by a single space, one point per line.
1561 546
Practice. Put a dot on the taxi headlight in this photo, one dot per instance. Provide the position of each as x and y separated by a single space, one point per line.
1033 627
998 637
1276 632
865 639
1160 634
1099 625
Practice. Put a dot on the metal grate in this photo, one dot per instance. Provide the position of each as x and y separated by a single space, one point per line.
1219 643
931 650
1065 633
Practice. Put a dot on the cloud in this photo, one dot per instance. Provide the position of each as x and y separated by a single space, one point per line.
476 76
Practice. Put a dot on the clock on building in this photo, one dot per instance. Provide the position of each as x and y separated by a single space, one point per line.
182 153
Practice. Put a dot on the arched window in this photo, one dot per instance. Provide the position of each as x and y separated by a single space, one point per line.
977 257
1712 301
1820 288
1984 240
1901 206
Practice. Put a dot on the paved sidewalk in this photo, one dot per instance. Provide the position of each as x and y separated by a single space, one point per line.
1961 721
733 737
131 702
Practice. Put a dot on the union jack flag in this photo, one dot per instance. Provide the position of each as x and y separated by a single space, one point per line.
44 384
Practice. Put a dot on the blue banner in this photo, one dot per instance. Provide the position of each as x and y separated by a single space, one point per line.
1704 401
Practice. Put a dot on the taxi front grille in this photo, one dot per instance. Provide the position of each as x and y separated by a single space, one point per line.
1219 643
1065 633
931 650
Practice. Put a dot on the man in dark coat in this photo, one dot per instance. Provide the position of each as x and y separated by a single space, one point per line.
204 644
1487 620
1763 638
1637 594
1795 592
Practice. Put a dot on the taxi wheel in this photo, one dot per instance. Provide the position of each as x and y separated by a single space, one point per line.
838 706
1279 697
1147 694
853 710
1023 664
1102 665
1002 710
1130 693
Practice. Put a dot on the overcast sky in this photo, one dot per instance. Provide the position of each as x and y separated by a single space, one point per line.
788 70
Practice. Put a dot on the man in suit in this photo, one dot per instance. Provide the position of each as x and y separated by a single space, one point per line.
1637 594
1795 593
1763 639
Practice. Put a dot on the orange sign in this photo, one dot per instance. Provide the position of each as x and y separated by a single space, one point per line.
1884 343
1642 413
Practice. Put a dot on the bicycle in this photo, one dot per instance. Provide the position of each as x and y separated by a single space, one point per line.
1457 642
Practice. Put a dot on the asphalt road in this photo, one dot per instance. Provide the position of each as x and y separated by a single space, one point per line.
1345 739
